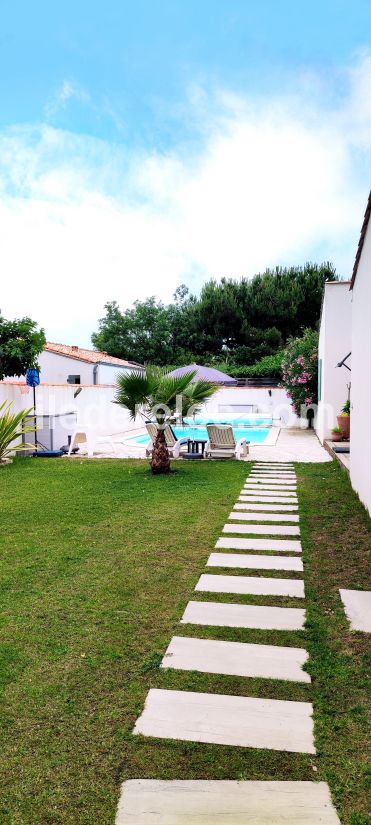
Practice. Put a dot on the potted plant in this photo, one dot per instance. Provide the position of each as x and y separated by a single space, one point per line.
336 434
344 420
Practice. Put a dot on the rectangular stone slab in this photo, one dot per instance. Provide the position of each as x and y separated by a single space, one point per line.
271 474
272 482
239 721
236 659
273 464
268 499
224 802
257 617
262 529
357 604
255 562
261 516
281 471
243 503
274 479
283 545
268 489
251 585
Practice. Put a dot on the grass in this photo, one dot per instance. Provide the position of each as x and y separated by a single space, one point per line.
98 561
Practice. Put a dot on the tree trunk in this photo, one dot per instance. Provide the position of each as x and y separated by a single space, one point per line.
160 455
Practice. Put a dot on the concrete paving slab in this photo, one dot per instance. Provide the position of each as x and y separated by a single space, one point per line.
251 585
276 482
224 802
257 617
262 529
269 499
283 545
262 516
236 659
241 504
266 490
270 474
357 604
240 721
255 562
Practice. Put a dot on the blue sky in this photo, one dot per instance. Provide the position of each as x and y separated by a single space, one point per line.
148 144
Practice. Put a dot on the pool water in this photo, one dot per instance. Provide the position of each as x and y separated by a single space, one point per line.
255 435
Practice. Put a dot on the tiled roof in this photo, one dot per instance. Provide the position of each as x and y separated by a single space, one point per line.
91 356
361 240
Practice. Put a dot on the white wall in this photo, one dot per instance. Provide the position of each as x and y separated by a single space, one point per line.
273 402
360 442
93 408
55 369
334 344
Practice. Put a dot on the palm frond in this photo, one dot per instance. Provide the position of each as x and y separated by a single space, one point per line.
195 396
13 426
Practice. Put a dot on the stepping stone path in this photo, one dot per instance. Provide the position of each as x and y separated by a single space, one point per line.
268 506
357 604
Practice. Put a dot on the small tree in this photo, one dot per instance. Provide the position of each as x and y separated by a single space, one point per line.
20 344
300 370
158 396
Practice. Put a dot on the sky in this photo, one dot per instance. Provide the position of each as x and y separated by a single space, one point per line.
148 144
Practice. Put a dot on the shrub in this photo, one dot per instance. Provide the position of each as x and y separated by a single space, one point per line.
300 370
12 426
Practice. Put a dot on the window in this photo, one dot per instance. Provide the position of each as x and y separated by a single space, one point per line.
73 379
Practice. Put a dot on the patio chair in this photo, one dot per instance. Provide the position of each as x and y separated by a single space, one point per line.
172 442
221 442
82 437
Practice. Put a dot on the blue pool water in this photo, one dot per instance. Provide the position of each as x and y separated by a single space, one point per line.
255 435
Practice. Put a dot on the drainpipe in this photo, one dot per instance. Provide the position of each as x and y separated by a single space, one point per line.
95 373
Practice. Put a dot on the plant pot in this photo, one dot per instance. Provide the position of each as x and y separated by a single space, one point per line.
344 425
336 436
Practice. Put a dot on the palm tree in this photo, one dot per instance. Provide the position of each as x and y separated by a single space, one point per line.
160 397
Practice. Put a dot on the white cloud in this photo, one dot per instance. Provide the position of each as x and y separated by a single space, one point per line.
66 92
273 181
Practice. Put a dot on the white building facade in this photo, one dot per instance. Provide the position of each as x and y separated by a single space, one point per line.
360 442
64 364
335 343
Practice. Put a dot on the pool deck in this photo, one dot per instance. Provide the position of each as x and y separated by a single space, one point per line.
290 445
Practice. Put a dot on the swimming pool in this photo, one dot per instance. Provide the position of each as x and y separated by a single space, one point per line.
255 435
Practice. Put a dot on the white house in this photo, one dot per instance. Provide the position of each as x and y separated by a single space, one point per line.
360 442
64 364
334 345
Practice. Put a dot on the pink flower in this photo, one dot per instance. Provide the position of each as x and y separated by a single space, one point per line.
300 360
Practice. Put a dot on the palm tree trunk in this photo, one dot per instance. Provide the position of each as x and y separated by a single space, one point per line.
160 455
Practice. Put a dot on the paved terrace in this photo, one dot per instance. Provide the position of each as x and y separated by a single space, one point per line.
292 445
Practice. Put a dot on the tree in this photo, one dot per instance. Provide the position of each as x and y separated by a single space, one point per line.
236 321
156 396
20 344
300 370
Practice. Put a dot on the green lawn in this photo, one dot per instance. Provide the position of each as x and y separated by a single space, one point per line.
98 560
